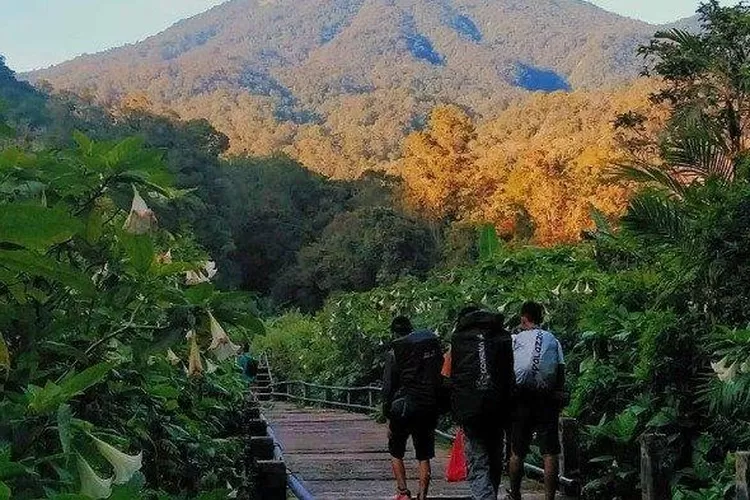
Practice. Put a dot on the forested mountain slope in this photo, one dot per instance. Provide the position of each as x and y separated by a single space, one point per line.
338 83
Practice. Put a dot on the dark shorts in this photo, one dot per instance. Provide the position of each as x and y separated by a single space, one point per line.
535 413
422 432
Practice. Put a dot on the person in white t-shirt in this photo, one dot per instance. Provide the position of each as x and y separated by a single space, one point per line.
540 378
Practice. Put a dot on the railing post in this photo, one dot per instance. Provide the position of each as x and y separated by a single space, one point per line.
271 480
304 391
743 459
654 484
369 398
570 465
348 397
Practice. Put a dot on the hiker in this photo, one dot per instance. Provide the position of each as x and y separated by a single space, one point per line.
540 397
247 363
482 386
411 387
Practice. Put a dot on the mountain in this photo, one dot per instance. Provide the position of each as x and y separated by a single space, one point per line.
338 83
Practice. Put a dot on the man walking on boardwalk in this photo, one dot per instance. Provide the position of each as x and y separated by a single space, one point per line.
482 385
540 377
411 392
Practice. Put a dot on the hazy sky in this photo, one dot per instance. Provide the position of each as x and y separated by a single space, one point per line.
38 33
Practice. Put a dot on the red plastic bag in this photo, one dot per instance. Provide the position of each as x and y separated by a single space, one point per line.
457 469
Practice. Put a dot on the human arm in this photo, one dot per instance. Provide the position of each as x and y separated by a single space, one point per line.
390 383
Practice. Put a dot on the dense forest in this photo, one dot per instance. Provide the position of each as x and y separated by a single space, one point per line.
338 84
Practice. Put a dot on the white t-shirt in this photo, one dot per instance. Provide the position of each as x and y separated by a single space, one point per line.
536 355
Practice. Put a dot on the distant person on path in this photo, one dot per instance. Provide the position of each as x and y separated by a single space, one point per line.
482 387
247 363
540 377
411 392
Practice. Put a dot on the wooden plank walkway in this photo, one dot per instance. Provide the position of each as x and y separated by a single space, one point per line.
342 456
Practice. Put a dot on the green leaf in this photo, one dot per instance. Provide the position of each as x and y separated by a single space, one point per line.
94 227
48 399
488 242
140 251
64 417
130 490
36 227
76 384
9 469
4 491
199 294
85 144
34 264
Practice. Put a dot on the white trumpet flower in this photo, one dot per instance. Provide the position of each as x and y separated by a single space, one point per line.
724 372
195 365
745 367
125 465
210 367
556 291
141 219
577 288
92 485
165 258
172 357
588 290
202 275
221 344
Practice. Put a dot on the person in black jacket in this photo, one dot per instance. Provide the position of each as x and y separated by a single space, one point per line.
482 387
411 391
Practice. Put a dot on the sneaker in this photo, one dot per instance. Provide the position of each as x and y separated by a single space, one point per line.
509 495
402 495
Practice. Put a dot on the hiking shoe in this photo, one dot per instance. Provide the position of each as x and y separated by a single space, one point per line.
402 495
509 495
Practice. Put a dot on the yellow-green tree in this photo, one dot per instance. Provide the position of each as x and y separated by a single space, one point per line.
441 177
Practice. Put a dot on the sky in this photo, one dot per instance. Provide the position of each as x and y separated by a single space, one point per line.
39 33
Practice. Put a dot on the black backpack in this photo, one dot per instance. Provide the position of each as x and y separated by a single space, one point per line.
419 358
482 377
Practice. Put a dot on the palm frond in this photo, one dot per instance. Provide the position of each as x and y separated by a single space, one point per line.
683 38
657 217
698 151
657 176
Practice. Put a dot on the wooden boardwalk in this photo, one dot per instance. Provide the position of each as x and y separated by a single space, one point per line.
342 456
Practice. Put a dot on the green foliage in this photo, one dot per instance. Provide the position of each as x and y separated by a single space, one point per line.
87 312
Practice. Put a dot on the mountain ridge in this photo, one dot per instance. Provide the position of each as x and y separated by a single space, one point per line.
338 83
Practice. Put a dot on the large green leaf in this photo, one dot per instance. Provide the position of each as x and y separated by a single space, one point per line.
76 384
51 396
140 251
33 264
8 468
36 227
4 491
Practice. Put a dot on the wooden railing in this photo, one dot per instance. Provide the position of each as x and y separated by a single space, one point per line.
350 398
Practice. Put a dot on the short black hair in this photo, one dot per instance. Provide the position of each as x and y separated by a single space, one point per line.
533 311
401 326
468 309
